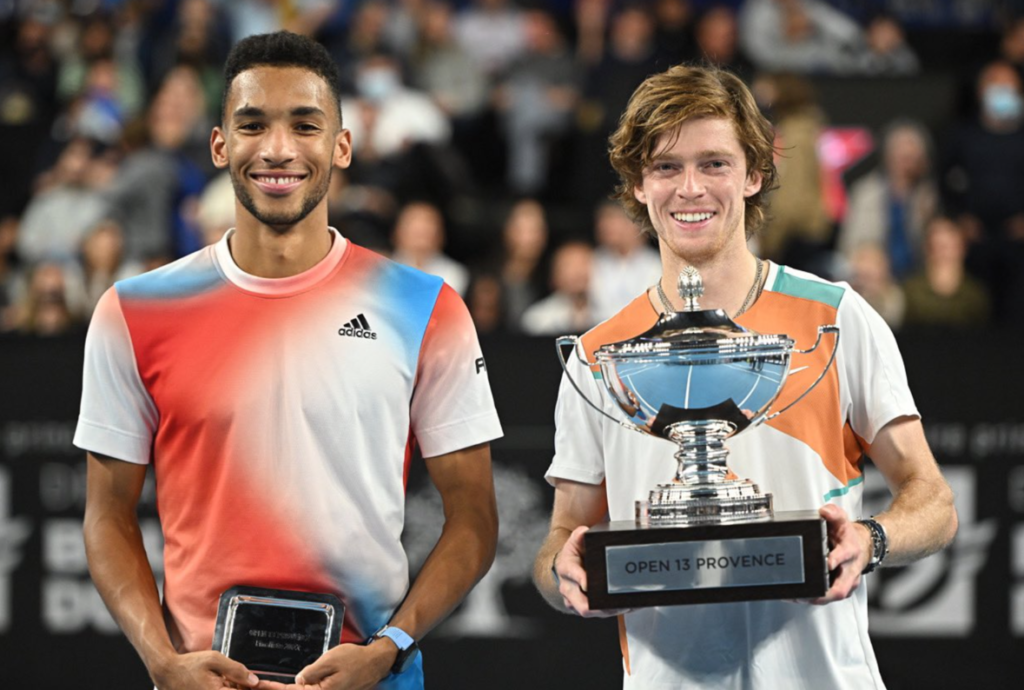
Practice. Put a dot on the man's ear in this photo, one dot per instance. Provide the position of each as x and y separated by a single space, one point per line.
218 148
638 194
343 149
753 186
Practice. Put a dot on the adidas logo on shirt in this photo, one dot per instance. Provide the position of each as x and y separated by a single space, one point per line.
358 327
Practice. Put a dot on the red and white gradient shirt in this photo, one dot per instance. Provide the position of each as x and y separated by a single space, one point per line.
810 455
279 416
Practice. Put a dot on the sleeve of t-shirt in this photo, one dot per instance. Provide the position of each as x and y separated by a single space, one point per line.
579 451
452 405
118 417
872 369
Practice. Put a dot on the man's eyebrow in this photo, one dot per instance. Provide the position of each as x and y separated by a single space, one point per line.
301 111
305 110
249 111
701 155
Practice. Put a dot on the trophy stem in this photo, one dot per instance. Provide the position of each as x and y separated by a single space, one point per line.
702 453
703 492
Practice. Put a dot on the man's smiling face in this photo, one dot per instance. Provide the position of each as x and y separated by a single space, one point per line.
280 140
695 189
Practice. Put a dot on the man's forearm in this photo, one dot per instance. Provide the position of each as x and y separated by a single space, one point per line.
920 521
123 576
462 556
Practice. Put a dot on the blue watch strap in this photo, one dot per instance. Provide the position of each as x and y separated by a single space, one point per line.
401 638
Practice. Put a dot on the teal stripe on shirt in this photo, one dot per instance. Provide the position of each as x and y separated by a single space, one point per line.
843 490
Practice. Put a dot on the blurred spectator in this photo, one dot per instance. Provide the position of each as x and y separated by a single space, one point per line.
673 21
9 270
391 116
799 230
362 205
536 101
628 60
1011 44
984 176
215 210
444 70
109 80
942 293
717 41
887 52
591 17
59 216
521 268
154 193
803 36
365 37
890 206
43 309
199 37
249 17
485 301
870 275
28 107
492 33
567 309
418 241
102 263
624 263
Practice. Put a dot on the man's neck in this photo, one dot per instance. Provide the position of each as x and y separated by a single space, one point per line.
268 253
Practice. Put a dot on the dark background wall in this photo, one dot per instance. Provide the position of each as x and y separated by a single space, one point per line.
947 622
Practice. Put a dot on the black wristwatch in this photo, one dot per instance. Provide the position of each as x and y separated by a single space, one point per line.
879 543
407 647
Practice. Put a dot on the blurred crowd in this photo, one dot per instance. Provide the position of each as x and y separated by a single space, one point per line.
480 133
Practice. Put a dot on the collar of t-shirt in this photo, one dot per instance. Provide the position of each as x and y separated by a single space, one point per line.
279 286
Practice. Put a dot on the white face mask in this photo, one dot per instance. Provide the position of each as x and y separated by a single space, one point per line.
1002 103
378 83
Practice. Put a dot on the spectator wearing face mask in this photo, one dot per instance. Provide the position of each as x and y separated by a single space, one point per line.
982 182
390 115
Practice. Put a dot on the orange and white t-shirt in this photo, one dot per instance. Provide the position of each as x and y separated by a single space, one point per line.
808 456
280 417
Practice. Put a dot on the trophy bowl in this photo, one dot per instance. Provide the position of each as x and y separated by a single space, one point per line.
698 381
696 378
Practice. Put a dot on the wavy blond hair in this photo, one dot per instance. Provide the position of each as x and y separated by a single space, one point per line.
662 103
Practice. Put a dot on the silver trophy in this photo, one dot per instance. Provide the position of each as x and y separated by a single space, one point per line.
697 378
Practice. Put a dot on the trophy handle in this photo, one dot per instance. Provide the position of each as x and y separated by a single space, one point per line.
567 341
835 348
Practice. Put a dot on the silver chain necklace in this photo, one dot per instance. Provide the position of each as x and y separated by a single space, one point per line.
752 294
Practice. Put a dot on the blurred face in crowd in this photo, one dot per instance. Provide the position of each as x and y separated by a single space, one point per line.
526 231
419 231
717 34
280 140
570 269
870 271
616 231
694 189
944 243
542 32
101 249
632 32
177 108
999 90
906 156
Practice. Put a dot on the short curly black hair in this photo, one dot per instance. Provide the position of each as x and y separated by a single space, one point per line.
281 49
